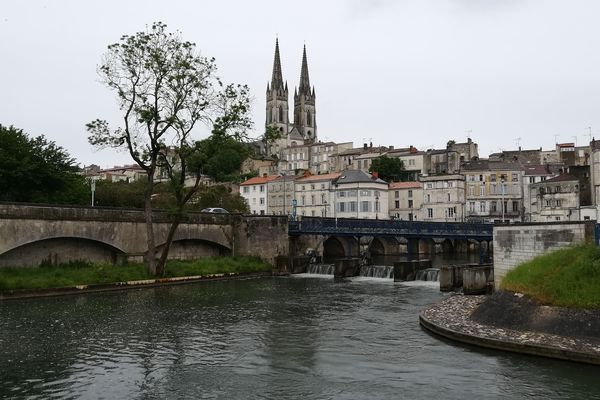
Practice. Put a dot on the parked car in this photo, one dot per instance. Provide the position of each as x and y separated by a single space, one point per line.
216 210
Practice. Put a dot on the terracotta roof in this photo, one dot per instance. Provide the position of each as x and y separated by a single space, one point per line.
257 180
406 185
323 177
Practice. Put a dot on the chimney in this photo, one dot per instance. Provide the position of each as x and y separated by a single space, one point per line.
365 146
391 147
371 145
265 175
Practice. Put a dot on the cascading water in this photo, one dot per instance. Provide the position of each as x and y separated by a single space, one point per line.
320 269
428 274
377 271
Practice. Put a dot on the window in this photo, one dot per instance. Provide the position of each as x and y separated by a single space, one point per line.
548 203
410 194
366 193
450 184
312 213
342 194
246 189
471 191
515 206
506 206
262 188
482 206
558 203
494 206
312 186
359 164
493 178
312 199
472 206
430 186
532 179
410 204
303 187
262 201
254 188
451 211
449 197
262 212
364 206
397 194
322 198
342 207
430 213
351 193
352 206
482 191
397 204
303 198
515 177
429 198
481 178
322 186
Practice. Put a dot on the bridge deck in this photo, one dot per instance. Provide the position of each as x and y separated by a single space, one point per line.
408 229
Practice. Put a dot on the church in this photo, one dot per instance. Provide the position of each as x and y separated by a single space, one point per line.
303 129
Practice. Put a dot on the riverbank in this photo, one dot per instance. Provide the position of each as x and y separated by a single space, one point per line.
78 277
513 322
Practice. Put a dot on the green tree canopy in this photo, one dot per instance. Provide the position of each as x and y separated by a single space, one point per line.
221 156
37 170
389 169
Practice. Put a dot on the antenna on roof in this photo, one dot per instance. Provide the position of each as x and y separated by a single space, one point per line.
468 132
575 137
590 132
556 139
518 142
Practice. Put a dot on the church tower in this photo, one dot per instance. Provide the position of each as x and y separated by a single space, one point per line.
305 120
277 97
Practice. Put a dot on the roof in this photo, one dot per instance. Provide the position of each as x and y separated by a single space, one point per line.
406 185
355 176
258 180
536 169
486 165
323 177
561 178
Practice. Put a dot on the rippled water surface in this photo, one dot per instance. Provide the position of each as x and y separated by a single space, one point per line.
284 338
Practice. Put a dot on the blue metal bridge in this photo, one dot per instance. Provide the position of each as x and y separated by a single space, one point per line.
374 227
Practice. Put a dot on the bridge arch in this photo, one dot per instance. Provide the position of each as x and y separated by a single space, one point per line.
59 250
339 247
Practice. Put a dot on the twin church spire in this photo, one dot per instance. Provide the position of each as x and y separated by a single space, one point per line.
304 124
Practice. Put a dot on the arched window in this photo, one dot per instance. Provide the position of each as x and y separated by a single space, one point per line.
281 114
308 119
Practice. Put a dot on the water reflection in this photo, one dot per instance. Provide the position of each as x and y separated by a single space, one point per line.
271 338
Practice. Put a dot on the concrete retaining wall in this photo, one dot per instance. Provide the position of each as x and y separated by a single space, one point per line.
515 244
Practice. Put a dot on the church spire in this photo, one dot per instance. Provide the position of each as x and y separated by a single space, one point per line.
277 78
304 80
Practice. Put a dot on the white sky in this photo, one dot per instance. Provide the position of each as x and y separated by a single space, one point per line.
397 72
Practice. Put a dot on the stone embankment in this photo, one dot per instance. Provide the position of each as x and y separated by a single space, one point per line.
511 322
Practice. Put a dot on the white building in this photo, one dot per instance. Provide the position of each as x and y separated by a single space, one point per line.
555 199
358 194
255 192
313 195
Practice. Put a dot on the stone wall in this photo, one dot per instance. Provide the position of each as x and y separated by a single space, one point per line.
515 244
265 237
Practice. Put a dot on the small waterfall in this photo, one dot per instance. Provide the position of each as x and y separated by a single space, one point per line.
320 269
428 274
377 271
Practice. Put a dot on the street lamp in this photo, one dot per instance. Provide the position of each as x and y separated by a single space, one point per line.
376 206
502 192
93 187
325 208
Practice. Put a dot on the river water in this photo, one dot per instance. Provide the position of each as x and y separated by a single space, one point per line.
272 338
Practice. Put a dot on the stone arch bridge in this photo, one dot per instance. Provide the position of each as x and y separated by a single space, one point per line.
32 234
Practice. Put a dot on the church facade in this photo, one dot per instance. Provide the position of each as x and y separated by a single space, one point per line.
302 130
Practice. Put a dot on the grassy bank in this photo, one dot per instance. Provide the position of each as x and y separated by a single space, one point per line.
568 277
82 273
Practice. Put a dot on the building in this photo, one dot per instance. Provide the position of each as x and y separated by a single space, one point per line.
313 195
443 198
324 156
357 194
555 199
413 161
304 126
494 191
405 200
280 193
255 192
533 174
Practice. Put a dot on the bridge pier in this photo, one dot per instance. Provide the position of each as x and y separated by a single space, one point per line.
412 248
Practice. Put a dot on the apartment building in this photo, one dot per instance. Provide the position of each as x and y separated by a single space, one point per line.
443 198
255 192
280 193
405 200
357 194
313 195
556 199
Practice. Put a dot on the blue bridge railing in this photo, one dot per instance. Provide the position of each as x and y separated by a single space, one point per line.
374 227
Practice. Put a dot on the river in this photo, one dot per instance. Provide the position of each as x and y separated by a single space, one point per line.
272 338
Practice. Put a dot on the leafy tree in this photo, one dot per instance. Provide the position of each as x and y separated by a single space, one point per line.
220 196
388 168
165 89
221 156
120 194
37 170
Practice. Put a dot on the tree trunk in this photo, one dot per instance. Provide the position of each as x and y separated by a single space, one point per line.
150 256
160 266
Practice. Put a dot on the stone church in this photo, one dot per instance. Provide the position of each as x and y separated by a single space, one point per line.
303 129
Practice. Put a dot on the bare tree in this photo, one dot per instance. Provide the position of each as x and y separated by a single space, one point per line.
165 89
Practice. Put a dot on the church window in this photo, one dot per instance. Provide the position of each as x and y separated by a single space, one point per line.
281 114
308 119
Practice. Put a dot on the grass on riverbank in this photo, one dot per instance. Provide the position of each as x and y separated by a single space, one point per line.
82 273
568 277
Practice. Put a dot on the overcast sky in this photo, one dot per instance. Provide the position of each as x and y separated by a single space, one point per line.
394 72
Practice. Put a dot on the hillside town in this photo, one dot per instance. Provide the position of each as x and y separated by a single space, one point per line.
297 174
